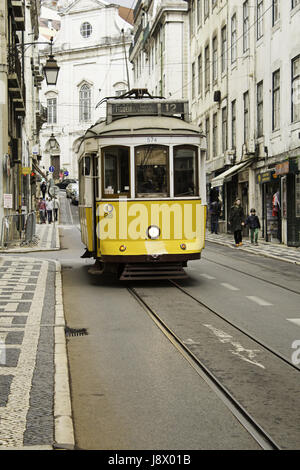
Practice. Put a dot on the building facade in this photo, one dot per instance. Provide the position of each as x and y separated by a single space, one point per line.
20 114
241 76
91 48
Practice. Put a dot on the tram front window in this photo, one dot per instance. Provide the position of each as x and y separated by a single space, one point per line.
151 171
185 171
116 171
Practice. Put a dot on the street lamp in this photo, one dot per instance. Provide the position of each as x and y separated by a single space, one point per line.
52 141
51 68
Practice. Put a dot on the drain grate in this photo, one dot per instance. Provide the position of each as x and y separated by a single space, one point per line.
75 331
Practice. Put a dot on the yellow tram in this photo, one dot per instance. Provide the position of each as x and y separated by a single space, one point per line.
142 190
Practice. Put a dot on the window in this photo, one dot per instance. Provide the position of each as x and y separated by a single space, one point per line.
185 171
276 100
193 80
116 171
260 20
223 49
206 9
215 135
207 131
297 194
233 124
260 109
245 26
224 129
207 68
275 11
296 89
295 3
151 171
233 39
246 117
200 75
52 110
86 30
85 103
215 59
199 12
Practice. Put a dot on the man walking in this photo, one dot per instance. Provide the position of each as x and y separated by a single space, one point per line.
236 221
215 212
56 206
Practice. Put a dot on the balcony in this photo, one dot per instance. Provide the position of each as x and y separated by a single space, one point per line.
41 116
18 10
16 85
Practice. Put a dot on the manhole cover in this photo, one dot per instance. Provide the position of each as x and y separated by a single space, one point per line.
75 331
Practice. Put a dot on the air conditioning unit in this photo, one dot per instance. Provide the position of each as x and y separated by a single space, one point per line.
229 157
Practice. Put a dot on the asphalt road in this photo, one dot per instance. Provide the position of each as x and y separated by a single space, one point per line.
131 389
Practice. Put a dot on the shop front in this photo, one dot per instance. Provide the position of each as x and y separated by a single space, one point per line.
271 206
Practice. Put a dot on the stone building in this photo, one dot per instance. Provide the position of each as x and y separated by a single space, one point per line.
91 48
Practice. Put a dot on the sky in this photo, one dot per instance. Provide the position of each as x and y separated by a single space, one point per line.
126 3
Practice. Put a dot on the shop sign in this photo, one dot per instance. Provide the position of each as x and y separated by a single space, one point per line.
283 168
266 177
26 170
7 201
243 176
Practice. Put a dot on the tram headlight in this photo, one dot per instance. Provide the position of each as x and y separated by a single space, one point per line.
153 232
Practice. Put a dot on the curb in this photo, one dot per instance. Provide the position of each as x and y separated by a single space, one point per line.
63 422
267 255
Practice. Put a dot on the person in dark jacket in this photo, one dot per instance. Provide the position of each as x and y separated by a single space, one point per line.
215 212
236 221
254 224
43 189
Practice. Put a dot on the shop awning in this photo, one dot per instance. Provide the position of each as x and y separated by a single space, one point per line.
39 170
226 175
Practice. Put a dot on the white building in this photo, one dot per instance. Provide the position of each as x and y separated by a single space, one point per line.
160 49
90 48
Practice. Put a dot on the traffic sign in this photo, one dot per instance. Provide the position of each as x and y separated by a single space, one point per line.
53 191
66 173
51 169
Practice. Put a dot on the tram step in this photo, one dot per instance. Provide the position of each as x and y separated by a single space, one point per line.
142 272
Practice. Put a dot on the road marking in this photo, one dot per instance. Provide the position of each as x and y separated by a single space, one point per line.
259 301
229 286
207 276
294 320
247 355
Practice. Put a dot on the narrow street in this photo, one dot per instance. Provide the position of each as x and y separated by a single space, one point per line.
129 384
159 365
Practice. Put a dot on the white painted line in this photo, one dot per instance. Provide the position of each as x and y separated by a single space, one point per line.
207 276
294 320
229 286
259 301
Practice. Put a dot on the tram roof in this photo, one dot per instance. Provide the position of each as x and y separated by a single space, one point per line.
142 125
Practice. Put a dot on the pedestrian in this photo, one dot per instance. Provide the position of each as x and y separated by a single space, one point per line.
49 207
254 225
43 188
236 221
215 212
56 206
42 210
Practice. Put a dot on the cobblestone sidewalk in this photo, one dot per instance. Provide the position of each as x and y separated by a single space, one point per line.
271 250
47 239
35 408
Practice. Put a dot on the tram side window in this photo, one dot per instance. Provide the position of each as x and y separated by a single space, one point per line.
151 171
185 171
116 171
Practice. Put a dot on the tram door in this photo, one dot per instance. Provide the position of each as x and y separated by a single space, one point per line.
89 200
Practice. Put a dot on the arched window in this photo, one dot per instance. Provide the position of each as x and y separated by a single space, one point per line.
85 103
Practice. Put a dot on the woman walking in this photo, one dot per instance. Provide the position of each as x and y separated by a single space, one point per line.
236 221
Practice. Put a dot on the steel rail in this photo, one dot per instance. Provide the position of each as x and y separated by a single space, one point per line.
244 332
252 427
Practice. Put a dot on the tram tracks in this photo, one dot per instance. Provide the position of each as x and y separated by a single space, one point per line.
223 391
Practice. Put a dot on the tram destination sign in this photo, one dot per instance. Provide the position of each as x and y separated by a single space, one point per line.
145 108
